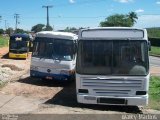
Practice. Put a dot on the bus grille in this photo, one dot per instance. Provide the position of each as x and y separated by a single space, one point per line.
120 87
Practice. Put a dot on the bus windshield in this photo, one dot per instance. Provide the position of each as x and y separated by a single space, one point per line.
54 49
116 57
19 42
20 45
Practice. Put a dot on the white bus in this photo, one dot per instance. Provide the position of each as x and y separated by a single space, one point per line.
54 56
113 66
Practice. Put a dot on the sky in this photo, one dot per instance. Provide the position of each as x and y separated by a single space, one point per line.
76 13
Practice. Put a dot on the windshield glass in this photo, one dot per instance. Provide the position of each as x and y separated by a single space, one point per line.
112 57
18 45
54 49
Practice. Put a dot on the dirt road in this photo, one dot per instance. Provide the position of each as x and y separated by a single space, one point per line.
27 95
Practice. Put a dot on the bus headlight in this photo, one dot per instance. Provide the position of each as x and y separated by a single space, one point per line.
34 68
67 72
64 72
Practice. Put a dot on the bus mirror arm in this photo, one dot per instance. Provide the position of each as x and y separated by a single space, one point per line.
149 45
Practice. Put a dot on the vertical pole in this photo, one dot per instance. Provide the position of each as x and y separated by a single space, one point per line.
16 16
47 7
47 17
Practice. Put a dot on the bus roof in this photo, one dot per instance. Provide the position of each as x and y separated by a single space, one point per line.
20 35
60 35
113 33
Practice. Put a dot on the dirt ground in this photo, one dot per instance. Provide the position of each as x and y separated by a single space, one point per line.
51 96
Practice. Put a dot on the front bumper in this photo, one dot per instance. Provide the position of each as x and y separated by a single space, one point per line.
133 101
42 75
14 55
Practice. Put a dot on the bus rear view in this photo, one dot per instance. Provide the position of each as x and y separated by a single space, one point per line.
113 66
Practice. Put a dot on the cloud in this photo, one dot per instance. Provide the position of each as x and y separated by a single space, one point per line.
72 1
158 2
145 21
139 11
124 1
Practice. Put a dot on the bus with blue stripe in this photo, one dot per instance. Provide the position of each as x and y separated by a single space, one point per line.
54 56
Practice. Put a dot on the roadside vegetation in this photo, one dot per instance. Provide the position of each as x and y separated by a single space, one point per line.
154 38
155 51
154 93
3 41
154 32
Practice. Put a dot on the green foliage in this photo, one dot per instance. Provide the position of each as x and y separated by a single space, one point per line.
154 93
3 41
133 17
38 28
153 32
1 31
41 27
155 41
48 28
9 31
20 31
120 20
70 29
155 86
155 51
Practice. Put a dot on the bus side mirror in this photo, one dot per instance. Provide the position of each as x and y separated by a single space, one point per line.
149 45
75 47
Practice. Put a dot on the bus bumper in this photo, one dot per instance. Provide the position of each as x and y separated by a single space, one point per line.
130 101
51 76
13 55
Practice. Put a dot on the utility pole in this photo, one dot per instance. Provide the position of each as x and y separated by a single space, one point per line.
16 16
47 7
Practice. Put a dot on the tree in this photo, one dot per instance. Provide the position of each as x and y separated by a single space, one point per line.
20 31
119 20
38 28
9 31
1 31
48 28
133 16
70 29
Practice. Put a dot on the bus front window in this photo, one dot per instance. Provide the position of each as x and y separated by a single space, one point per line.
63 50
94 57
57 49
118 57
130 58
21 46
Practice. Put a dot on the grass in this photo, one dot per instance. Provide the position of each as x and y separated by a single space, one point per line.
3 41
153 32
154 93
155 51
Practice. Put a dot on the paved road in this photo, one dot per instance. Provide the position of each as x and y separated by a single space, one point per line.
154 61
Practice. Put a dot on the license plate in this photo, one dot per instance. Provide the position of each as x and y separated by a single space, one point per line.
112 101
